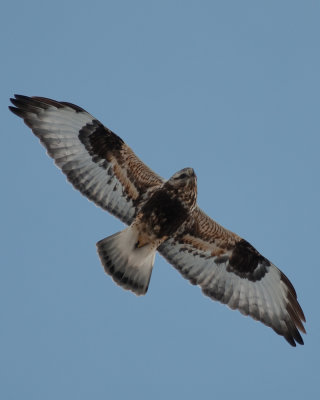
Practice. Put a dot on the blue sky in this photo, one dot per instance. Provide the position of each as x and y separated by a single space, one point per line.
230 88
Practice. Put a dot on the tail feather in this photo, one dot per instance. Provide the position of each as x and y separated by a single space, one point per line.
129 266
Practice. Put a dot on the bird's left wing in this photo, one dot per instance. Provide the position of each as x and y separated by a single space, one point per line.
232 271
95 160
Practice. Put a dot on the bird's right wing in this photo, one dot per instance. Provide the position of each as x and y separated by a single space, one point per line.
95 160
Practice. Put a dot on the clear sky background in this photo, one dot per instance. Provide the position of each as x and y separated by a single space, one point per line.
230 88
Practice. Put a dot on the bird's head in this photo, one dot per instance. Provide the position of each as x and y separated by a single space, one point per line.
184 184
183 177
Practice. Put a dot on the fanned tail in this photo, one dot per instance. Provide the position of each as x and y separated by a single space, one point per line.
128 265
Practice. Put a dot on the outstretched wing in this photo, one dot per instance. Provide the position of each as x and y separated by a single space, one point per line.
95 160
230 270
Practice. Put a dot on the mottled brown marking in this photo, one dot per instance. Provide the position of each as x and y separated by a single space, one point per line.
138 172
210 231
196 242
129 187
218 252
144 236
217 247
163 213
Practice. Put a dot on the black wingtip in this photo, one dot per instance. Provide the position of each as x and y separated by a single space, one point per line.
24 105
16 111
294 339
16 101
18 97
299 339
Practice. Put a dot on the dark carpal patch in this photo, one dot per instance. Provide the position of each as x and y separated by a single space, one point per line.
163 212
99 141
247 262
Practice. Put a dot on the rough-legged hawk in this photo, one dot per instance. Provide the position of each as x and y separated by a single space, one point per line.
162 216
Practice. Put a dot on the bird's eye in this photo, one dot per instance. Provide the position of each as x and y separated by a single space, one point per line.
182 176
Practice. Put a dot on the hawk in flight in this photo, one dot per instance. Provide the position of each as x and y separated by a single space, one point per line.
162 215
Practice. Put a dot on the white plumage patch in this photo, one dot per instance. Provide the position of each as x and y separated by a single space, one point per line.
128 265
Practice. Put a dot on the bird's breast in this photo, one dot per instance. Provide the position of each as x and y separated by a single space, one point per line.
162 214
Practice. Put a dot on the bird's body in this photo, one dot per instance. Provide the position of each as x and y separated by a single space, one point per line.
162 215
128 256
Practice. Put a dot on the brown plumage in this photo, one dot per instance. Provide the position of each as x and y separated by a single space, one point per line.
162 216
